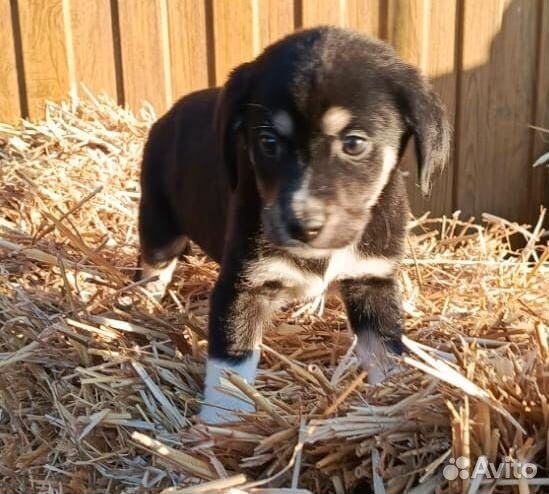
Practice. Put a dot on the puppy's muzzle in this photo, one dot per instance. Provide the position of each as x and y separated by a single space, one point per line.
309 228
307 217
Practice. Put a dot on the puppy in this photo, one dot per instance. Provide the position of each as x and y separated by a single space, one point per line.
287 176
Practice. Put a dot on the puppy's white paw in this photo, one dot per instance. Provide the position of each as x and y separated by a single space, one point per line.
156 289
378 358
219 406
159 279
226 408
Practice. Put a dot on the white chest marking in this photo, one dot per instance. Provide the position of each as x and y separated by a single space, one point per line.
348 263
344 263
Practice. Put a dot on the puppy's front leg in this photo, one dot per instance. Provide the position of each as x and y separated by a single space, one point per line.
375 315
237 318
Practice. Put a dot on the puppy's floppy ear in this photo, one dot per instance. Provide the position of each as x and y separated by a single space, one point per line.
228 117
426 119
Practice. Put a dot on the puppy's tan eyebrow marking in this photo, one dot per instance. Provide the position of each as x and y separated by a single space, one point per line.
283 123
335 120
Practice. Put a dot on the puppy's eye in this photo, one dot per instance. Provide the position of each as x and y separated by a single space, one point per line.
268 144
355 144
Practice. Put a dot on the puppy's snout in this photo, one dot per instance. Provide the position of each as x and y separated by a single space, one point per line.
312 226
308 228
309 217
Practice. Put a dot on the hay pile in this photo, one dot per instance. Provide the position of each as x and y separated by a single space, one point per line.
99 384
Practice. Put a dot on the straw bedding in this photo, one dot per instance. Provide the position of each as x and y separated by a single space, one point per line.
100 385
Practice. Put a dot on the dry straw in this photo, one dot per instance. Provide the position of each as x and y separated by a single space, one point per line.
100 385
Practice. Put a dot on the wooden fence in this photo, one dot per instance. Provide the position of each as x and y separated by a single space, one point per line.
489 60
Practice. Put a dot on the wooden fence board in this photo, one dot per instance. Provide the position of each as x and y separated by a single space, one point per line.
513 85
407 29
316 12
44 52
483 24
489 62
93 49
441 70
495 107
276 19
423 33
540 141
188 46
10 107
234 35
145 62
364 16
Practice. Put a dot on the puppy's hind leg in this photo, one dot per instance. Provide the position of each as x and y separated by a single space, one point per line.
161 243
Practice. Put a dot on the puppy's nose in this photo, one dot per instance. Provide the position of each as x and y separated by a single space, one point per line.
311 227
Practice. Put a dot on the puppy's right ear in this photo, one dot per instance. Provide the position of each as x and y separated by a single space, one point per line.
228 117
425 118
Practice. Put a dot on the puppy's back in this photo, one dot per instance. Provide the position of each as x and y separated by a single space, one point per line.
182 173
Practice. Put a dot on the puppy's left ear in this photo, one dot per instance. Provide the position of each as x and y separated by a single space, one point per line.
426 118
228 117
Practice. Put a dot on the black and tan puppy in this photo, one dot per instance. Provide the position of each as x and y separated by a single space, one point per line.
288 177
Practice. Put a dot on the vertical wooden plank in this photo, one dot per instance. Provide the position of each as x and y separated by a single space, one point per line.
145 61
424 34
364 16
540 141
441 69
496 101
92 45
480 26
323 12
276 19
236 40
44 52
10 107
408 28
188 46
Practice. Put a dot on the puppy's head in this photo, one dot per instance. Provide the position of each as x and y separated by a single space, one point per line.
322 118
